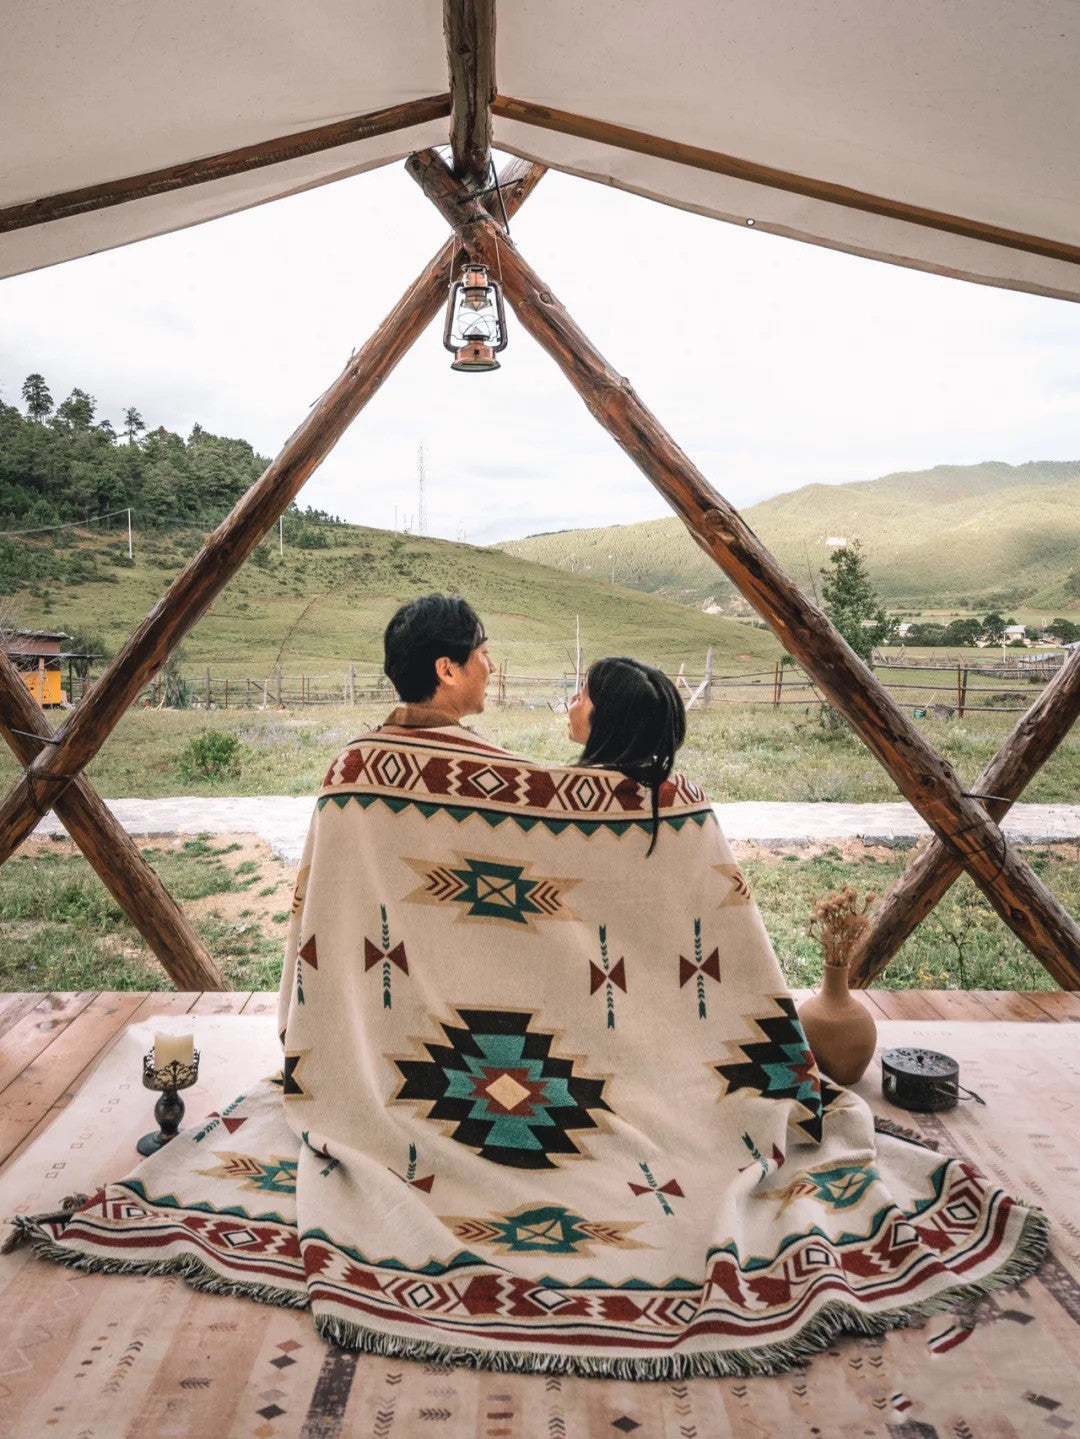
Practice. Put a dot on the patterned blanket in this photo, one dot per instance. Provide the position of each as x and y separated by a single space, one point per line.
546 1103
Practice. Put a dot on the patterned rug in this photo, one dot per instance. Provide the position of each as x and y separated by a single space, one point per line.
546 1105
98 1356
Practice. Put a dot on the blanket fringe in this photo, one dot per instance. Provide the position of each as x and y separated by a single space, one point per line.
191 1269
882 1125
834 1321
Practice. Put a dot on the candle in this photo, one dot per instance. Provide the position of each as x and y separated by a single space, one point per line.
173 1047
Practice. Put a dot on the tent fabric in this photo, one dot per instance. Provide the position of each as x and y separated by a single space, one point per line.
969 110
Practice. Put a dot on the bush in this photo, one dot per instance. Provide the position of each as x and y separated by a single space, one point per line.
212 756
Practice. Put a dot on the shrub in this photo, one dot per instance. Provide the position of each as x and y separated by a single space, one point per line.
212 756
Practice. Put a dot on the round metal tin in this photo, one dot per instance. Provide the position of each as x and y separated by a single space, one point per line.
922 1080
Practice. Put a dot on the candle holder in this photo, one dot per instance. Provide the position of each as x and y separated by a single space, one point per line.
169 1110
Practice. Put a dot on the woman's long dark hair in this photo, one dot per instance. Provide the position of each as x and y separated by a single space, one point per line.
638 724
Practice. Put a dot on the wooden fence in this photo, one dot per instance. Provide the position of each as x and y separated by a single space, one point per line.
925 688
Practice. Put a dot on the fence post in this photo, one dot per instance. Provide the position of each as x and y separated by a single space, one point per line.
962 696
352 683
277 683
707 695
207 689
776 686
226 691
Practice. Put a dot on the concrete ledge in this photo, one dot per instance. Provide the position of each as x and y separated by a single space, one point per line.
282 821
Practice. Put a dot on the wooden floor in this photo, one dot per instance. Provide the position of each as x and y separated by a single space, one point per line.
50 1042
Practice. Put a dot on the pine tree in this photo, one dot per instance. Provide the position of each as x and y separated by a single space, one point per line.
35 393
851 601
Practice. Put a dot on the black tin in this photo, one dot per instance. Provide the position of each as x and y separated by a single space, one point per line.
922 1080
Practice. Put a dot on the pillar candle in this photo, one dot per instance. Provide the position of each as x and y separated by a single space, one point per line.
170 1047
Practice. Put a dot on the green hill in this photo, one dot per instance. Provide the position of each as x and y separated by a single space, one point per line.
314 609
977 536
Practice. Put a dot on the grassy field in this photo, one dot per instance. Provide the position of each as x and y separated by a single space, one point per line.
310 611
980 537
65 932
737 753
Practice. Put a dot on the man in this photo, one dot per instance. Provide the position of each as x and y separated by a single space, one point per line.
436 657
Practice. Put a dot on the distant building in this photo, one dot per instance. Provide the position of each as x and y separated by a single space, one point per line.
39 656
1015 632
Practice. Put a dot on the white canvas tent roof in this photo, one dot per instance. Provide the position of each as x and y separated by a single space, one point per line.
970 111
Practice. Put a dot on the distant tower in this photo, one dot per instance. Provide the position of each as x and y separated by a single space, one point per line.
421 512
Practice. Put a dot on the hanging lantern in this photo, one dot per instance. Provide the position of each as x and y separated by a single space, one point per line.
475 328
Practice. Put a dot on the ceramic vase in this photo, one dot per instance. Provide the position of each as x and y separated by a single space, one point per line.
839 1028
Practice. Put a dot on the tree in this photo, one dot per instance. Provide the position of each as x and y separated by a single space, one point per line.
77 411
133 424
927 633
1065 631
35 393
962 632
851 602
993 628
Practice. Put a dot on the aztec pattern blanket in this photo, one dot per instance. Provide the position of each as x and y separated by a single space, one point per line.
546 1103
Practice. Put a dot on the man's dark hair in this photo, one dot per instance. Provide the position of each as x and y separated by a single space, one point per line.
423 631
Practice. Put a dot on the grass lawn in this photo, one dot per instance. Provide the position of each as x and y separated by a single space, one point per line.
736 753
65 932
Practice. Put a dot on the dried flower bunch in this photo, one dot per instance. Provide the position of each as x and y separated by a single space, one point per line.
837 922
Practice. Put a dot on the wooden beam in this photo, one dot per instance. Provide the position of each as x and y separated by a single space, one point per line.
923 776
229 162
205 576
1034 739
469 26
111 851
714 162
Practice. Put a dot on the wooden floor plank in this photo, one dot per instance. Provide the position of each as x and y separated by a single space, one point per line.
29 1097
262 1002
166 1001
228 1002
1059 1004
25 1040
870 999
958 1004
1005 1004
904 1004
14 1007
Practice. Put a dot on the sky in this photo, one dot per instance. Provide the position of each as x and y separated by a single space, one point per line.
773 363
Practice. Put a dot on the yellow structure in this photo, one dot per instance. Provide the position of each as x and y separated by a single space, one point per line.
44 685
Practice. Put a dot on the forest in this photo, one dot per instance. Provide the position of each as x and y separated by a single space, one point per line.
62 464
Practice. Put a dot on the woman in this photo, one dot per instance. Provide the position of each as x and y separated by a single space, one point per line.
629 717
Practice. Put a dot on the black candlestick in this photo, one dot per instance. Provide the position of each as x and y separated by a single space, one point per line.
169 1110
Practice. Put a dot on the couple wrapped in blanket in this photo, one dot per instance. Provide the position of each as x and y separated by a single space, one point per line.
545 1101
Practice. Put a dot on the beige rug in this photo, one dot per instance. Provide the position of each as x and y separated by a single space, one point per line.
95 1357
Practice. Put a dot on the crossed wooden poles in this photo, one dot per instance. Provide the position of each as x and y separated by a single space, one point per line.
968 837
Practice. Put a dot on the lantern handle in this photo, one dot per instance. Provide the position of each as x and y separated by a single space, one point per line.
451 305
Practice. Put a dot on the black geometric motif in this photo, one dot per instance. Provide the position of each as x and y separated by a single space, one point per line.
508 1096
781 1066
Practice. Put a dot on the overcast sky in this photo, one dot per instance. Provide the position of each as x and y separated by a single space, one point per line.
773 363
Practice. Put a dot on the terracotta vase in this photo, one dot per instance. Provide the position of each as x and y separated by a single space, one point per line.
839 1028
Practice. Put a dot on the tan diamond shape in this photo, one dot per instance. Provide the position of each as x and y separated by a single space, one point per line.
507 1091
